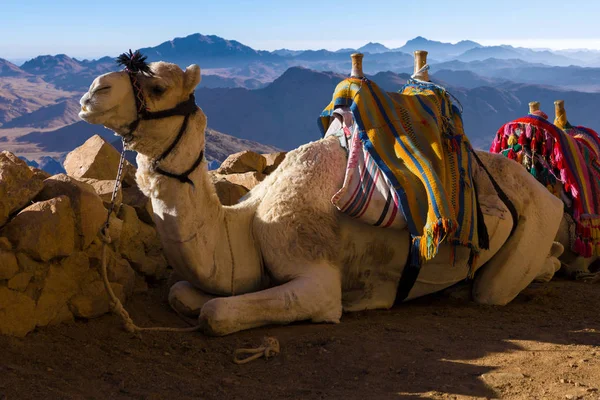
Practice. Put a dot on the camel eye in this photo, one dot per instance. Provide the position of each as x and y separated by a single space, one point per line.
158 90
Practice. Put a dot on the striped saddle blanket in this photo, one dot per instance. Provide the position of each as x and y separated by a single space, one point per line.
566 162
408 154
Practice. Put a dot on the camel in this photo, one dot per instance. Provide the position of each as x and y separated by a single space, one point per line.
574 265
284 253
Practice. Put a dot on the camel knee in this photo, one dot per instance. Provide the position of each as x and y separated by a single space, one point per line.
186 299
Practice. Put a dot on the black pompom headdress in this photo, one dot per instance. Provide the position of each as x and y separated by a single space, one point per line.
134 62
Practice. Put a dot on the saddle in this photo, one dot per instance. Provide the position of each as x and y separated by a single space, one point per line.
409 164
566 162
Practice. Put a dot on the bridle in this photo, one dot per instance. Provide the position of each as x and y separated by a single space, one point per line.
135 64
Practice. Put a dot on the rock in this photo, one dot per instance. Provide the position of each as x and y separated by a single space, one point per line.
20 281
39 173
38 270
140 245
8 265
44 230
89 210
120 271
98 159
273 161
61 284
229 193
17 313
18 185
140 286
93 301
130 245
134 197
497 379
242 162
105 189
5 244
248 180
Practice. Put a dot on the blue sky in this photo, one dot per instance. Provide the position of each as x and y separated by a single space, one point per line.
89 29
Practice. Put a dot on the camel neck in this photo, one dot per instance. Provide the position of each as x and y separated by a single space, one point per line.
177 197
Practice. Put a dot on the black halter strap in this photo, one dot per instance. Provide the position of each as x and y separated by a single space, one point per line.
184 109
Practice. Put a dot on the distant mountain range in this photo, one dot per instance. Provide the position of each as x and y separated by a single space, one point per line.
65 139
268 100
285 113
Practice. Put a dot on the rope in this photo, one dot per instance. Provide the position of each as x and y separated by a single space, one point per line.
115 304
420 74
269 348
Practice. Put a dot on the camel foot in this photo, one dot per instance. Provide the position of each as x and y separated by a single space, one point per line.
187 300
551 265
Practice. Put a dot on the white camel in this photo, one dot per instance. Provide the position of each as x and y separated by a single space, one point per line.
285 253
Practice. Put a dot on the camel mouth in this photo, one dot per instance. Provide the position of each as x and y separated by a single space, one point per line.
92 116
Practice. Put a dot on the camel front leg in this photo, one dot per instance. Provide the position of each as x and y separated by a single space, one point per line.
314 295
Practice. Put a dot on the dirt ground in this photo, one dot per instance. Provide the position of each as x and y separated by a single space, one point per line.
545 344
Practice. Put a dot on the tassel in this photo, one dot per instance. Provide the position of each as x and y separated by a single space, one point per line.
504 144
512 155
598 248
533 171
520 157
577 246
544 149
495 147
512 140
522 139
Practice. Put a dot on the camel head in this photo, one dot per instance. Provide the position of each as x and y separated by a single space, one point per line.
111 101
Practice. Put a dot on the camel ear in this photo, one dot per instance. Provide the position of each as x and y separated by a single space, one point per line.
192 77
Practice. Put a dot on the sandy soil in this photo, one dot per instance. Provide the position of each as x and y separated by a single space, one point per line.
544 345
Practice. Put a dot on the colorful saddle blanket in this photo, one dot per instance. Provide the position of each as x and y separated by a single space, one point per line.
566 162
415 137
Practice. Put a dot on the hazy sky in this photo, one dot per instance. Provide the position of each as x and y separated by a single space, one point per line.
96 28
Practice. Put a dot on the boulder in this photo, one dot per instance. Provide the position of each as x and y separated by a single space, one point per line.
20 281
44 230
242 162
5 244
273 161
38 270
104 189
89 210
134 197
93 301
229 193
98 159
18 185
120 271
17 313
62 283
8 265
140 245
248 180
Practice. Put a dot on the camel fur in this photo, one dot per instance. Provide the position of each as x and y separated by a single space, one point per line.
285 253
